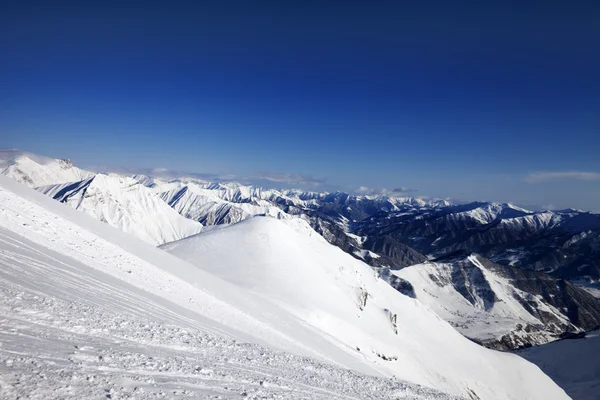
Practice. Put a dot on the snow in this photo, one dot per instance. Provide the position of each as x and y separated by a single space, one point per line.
289 265
125 204
433 286
573 364
69 331
366 254
34 170
88 311
119 201
537 221
217 203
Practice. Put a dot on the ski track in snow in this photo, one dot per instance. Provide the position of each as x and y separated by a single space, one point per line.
101 340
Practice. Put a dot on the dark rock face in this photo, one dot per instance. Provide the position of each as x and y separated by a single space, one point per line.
472 285
401 285
392 252
332 231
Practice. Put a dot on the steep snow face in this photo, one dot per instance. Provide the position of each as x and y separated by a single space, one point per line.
573 364
499 306
125 204
34 170
288 264
88 311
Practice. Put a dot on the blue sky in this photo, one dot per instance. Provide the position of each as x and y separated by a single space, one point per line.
458 100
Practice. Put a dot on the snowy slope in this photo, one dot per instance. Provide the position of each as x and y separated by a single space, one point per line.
87 311
573 364
34 170
288 264
484 305
125 204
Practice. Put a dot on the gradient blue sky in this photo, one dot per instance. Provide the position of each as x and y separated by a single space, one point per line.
453 99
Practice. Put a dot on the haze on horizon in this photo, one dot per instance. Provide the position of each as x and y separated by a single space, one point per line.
471 101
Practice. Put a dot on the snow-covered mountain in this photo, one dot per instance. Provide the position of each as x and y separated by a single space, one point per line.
565 243
120 201
330 214
381 230
386 232
94 310
402 231
34 170
499 306
286 263
87 311
125 204
216 204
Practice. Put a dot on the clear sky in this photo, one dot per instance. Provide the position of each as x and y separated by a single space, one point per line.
466 100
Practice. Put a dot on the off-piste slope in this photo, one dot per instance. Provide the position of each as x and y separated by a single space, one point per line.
125 204
87 311
288 264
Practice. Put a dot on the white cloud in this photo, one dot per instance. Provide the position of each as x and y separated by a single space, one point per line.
403 189
369 191
294 179
535 177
